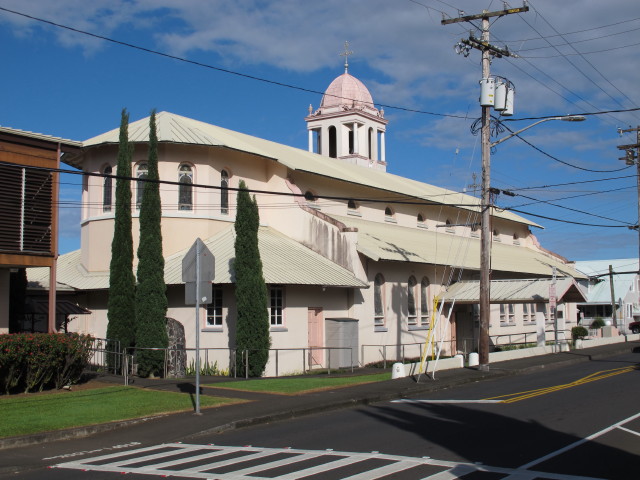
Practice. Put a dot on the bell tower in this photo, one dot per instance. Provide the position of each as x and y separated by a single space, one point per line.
347 125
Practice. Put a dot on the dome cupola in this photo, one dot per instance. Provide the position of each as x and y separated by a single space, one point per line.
347 125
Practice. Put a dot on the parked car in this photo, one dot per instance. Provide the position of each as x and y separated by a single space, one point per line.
634 327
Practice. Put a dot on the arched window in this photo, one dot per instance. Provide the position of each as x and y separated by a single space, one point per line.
333 142
411 301
107 190
388 214
420 220
352 206
449 227
310 197
185 189
224 192
378 300
496 236
142 174
516 239
424 301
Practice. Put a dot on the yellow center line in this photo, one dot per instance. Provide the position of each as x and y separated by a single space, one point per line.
516 397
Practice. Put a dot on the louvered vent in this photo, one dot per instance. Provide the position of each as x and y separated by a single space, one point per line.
25 210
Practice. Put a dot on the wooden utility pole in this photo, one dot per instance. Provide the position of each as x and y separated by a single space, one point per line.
633 158
488 51
614 319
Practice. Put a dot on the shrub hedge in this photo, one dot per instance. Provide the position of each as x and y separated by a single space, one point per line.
33 361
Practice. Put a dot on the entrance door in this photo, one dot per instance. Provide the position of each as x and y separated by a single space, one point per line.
316 337
465 338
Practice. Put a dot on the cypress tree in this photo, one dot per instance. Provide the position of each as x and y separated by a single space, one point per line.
151 299
120 305
252 330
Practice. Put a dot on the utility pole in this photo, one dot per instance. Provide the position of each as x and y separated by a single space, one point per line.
633 158
488 51
614 318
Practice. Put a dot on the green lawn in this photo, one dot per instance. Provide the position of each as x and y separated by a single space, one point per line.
301 384
25 414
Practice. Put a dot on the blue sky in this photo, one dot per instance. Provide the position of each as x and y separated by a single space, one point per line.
71 85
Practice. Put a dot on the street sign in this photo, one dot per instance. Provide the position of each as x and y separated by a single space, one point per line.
207 263
198 271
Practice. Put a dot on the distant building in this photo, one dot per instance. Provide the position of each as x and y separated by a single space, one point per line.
353 256
626 291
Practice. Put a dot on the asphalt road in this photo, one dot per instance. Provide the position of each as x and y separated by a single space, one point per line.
581 421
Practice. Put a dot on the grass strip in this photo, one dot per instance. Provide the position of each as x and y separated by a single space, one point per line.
27 414
300 384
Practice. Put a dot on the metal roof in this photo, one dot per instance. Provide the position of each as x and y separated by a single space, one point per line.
383 241
514 291
284 261
173 128
622 283
40 137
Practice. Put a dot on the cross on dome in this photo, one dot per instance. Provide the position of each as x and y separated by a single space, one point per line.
346 54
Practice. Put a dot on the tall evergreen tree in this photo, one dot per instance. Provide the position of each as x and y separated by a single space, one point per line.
120 305
252 331
151 298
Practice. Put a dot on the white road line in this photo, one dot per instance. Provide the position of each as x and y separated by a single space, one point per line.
579 442
409 400
629 431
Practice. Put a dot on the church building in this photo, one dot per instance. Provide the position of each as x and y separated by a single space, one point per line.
357 261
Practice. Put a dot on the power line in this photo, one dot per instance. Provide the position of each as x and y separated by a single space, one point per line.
585 59
573 183
212 67
582 53
562 161
235 189
574 209
269 81
511 209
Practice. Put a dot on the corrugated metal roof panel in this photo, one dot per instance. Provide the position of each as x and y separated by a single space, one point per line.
383 241
622 283
284 261
511 291
40 136
177 129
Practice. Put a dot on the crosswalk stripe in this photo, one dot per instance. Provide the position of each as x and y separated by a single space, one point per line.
154 461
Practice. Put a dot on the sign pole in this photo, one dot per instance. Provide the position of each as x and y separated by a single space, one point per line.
198 251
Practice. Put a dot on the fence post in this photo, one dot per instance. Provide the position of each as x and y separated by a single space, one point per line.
246 364
384 356
126 368
351 358
329 363
304 360
276 362
403 353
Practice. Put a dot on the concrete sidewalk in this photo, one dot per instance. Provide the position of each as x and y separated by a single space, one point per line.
264 407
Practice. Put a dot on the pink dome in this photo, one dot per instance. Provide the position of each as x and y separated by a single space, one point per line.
347 90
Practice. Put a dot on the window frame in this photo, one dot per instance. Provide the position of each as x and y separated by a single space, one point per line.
142 173
379 300
224 191
185 188
215 310
412 318
425 317
107 189
276 306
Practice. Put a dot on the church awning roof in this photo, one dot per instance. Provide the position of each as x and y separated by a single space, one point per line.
284 261
382 241
516 291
